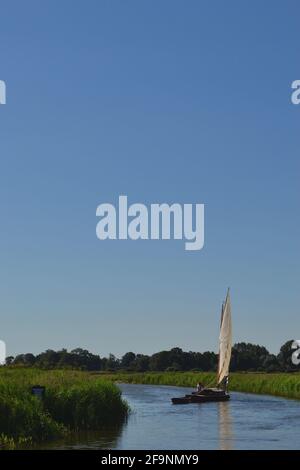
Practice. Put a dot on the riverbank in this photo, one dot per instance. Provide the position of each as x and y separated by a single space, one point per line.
281 384
82 401
73 401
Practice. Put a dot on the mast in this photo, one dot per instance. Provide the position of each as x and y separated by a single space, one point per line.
225 340
222 313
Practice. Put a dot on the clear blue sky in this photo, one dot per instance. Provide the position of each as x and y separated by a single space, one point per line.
166 102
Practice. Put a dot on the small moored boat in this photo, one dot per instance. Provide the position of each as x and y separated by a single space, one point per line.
220 393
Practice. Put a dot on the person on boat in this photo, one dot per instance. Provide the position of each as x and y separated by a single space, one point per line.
226 383
200 387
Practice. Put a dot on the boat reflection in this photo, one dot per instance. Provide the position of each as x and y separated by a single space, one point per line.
226 434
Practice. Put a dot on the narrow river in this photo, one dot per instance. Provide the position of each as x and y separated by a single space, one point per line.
245 422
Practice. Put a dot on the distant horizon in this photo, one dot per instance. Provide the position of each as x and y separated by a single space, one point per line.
119 356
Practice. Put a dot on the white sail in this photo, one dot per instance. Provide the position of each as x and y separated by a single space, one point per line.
225 340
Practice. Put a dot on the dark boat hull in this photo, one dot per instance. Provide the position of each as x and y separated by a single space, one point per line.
181 401
207 395
203 398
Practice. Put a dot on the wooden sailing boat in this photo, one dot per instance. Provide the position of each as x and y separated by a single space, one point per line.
220 392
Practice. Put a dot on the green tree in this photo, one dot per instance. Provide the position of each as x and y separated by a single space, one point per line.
285 356
127 360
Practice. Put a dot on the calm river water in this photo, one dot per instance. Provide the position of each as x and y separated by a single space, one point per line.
245 422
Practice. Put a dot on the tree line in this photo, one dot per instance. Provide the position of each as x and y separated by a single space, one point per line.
245 357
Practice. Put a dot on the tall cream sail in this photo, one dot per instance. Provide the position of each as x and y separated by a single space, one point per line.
225 339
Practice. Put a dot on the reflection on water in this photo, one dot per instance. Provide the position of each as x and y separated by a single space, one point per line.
245 422
225 426
106 438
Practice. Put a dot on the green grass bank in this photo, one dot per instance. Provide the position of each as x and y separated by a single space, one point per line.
73 401
281 384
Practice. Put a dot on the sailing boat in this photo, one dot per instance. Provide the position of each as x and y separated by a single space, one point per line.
220 392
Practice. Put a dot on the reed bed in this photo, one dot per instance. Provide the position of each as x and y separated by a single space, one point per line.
73 401
280 384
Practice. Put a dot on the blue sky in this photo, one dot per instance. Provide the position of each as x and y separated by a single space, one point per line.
166 102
